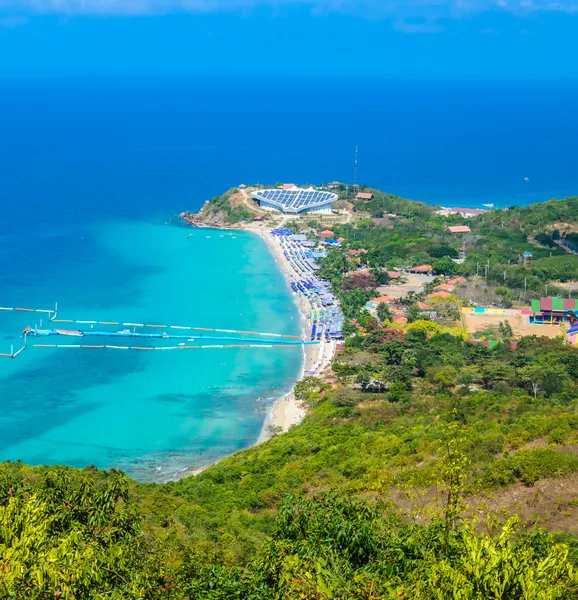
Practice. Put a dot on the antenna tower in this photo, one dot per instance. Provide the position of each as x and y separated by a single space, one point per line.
355 165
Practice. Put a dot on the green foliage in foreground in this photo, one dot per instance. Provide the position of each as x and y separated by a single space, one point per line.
79 535
310 514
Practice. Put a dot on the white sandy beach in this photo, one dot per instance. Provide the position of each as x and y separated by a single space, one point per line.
286 411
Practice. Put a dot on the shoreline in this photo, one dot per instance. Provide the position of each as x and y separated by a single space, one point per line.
286 410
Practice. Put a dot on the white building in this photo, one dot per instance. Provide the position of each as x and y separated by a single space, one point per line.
295 200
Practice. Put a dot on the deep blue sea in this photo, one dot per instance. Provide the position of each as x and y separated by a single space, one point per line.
91 172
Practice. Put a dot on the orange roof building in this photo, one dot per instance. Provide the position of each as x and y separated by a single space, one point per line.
364 196
423 306
456 281
287 186
382 300
340 240
399 319
421 269
440 294
458 229
444 287
394 274
326 234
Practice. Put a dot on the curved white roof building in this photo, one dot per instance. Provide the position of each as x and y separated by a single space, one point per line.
295 200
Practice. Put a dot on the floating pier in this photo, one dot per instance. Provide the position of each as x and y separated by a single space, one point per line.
163 348
179 327
187 335
158 336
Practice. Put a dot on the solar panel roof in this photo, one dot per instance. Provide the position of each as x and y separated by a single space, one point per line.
295 200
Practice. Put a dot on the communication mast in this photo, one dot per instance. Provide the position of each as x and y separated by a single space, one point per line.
355 164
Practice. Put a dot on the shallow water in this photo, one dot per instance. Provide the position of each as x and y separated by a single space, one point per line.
151 414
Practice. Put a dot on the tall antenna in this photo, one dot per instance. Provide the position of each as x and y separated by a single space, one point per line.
355 165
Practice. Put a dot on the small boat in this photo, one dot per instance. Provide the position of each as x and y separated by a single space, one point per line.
526 179
488 205
69 332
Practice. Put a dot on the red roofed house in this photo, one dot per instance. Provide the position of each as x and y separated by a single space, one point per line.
394 274
427 269
326 234
444 287
258 218
340 240
287 186
358 272
458 229
456 281
399 319
381 300
441 294
423 306
364 196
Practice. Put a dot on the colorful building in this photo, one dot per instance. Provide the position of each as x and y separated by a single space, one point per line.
553 311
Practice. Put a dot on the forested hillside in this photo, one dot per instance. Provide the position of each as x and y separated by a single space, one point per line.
411 234
427 467
373 496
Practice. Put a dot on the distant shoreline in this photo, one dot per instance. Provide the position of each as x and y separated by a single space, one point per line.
286 410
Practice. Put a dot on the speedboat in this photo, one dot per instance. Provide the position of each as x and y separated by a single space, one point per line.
72 333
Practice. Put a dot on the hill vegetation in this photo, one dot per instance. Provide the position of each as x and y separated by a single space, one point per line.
413 234
430 468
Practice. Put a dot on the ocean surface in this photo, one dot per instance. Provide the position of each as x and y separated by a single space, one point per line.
91 174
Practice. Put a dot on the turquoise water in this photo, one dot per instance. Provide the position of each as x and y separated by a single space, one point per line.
91 170
151 414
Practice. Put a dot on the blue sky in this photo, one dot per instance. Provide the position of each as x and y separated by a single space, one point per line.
370 38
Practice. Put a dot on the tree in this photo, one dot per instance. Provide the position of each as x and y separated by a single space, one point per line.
360 281
381 276
348 329
446 308
542 377
428 327
414 313
506 329
444 377
383 312
445 266
308 386
441 251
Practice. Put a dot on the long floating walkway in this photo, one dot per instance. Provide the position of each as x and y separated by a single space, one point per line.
32 310
159 336
187 333
180 327
162 348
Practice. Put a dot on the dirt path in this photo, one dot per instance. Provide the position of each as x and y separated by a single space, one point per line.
569 250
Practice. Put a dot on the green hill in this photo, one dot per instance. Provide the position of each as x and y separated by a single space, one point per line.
430 468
